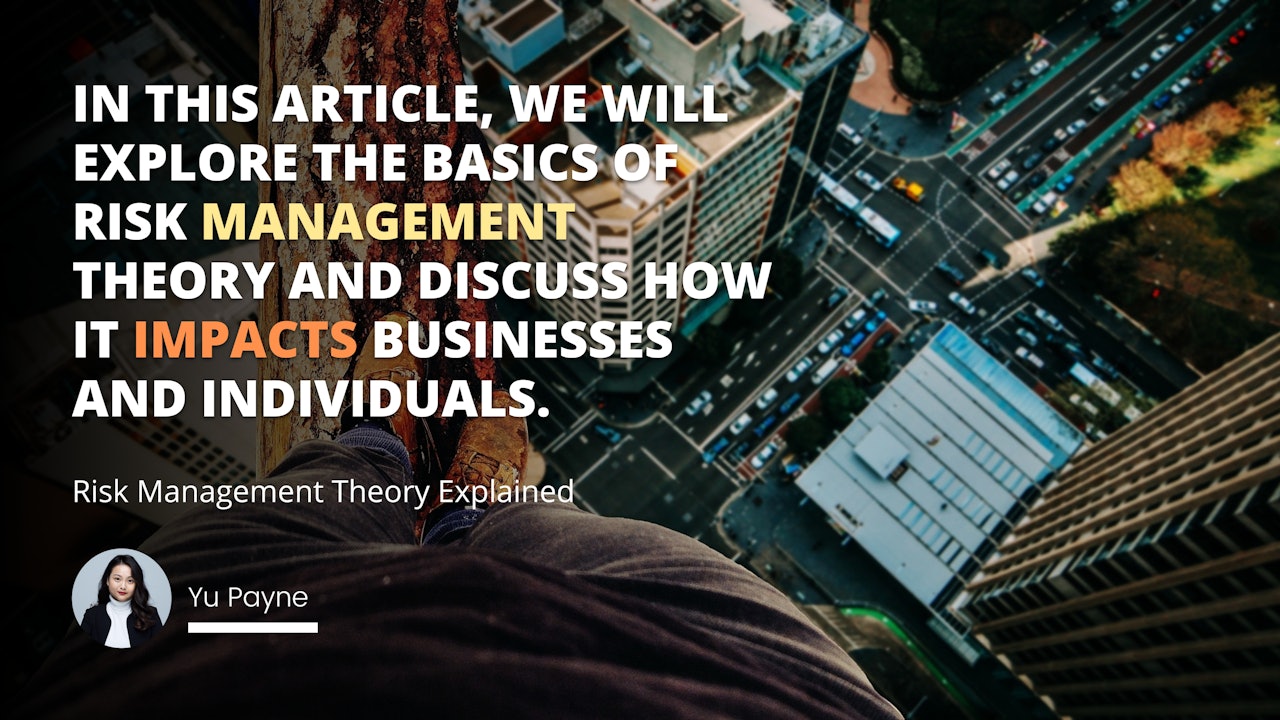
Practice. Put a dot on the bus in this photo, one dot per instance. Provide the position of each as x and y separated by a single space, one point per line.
884 232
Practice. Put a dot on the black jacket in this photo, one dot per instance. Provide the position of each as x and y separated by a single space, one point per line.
97 623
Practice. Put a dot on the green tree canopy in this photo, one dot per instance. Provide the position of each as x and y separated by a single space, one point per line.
841 400
807 434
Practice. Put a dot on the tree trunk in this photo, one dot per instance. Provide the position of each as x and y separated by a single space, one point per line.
341 42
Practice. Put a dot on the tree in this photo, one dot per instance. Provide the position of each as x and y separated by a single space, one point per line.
712 345
1192 180
786 276
1229 149
1140 184
1218 120
1258 105
807 434
875 368
1178 146
341 43
841 400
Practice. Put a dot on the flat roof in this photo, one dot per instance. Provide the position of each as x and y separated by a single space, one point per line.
975 442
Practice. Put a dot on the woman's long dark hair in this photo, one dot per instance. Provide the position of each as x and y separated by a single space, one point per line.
144 615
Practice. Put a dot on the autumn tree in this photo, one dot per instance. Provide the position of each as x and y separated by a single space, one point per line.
1140 184
1178 146
1257 105
1218 120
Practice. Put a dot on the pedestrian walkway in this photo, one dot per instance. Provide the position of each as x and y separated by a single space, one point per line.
873 86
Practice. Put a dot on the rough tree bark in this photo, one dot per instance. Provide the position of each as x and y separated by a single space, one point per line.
340 42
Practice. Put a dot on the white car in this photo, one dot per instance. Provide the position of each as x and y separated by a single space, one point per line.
1076 126
850 133
764 401
1048 319
1159 53
831 341
1046 201
1139 71
1029 357
1119 6
698 403
857 316
1183 83
798 370
1008 180
1220 5
1039 68
966 306
1027 337
762 457
999 169
868 179
924 307
742 423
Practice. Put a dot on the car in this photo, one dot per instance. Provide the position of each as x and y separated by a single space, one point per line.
1144 128
789 404
1219 5
997 99
1181 85
1198 72
613 436
713 451
885 340
1185 34
1048 319
766 399
1068 350
1046 201
742 423
1139 71
1163 101
831 341
868 179
1039 67
923 307
1161 52
1237 37
836 297
950 272
1029 358
1025 319
791 467
1065 183
1098 102
999 169
798 370
762 457
849 134
1032 160
1119 6
1018 85
1037 179
1026 336
1054 140
697 404
855 318
854 343
1008 180
965 304
1076 126
739 451
1032 276
763 428
874 298
1104 367
992 258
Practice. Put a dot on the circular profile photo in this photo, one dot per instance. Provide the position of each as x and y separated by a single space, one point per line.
121 598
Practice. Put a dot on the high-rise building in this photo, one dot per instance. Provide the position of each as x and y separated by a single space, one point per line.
776 67
1146 581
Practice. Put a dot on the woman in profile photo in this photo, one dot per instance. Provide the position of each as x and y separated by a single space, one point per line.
123 616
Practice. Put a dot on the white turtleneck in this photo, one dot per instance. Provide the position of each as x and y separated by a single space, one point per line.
118 611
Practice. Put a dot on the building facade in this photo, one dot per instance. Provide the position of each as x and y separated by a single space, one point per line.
1146 581
775 68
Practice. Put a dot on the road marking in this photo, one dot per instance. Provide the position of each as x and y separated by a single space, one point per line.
656 461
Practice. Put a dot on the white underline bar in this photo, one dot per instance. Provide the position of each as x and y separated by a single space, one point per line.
252 628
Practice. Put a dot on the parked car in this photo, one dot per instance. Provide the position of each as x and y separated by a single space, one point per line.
966 306
789 404
1027 337
1048 319
1039 67
950 272
1163 101
1065 183
1032 276
742 423
1076 126
1104 367
1037 179
836 297
850 134
1018 85
713 451
766 399
762 457
1059 136
1161 52
798 370
1119 6
1025 319
831 341
765 425
999 169
1185 34
697 404
1139 71
1181 85
1032 160
1008 180
875 297
1098 102
1044 202
997 99
868 179
923 307
613 436
1029 357
856 317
